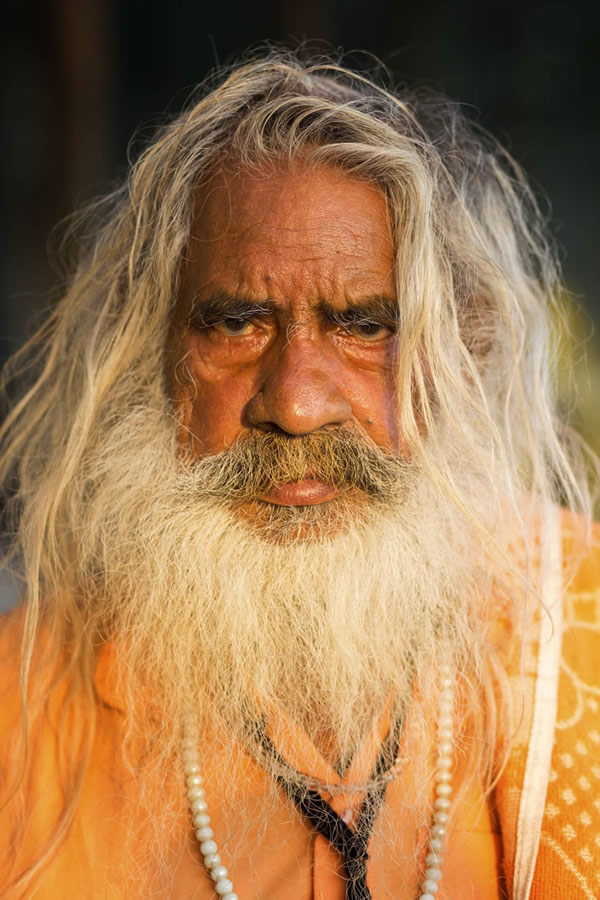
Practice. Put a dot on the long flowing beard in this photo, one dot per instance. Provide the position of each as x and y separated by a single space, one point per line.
212 611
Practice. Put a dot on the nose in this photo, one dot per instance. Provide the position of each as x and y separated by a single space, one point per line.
297 392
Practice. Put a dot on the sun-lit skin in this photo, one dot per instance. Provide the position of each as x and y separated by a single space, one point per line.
290 314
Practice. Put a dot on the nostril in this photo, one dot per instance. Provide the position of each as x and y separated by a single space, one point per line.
273 428
299 392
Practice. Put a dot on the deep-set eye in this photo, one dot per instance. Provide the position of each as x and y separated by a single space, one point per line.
369 330
232 327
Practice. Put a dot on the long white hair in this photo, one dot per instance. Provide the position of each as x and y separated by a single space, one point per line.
477 284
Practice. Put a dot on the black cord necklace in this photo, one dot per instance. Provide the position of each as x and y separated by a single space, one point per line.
351 845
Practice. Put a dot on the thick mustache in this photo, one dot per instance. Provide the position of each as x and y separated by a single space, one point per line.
261 461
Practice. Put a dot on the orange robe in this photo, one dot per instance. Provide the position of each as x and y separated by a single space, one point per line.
541 841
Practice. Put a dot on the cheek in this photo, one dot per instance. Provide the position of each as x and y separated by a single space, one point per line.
370 379
211 417
372 395
210 403
382 409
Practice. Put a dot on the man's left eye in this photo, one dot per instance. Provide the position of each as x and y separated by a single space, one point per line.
232 327
369 330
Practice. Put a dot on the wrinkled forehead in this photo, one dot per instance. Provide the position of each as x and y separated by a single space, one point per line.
232 197
296 227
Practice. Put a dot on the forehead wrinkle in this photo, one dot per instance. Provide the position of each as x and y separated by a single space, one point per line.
271 260
262 279
292 245
297 248
327 284
330 253
237 221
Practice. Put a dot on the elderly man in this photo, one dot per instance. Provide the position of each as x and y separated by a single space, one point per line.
285 471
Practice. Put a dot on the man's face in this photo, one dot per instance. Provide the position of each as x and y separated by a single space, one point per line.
292 315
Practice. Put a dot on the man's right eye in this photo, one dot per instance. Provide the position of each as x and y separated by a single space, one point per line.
232 327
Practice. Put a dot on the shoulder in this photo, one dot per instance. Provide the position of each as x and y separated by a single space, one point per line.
23 723
41 741
34 711
580 663
579 686
581 555
569 852
43 663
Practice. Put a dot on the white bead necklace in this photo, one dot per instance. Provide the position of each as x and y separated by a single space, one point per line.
443 785
441 804
200 817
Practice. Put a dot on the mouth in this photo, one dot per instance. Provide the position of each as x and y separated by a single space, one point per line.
308 492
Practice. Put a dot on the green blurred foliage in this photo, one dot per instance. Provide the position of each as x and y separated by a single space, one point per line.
579 371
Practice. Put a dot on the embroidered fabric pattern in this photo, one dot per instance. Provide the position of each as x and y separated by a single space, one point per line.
570 840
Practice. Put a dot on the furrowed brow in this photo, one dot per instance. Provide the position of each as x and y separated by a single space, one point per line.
204 313
380 309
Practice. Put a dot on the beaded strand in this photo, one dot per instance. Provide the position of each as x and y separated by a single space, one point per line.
443 786
443 789
200 818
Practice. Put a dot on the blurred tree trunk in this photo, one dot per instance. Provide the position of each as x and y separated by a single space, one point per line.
58 147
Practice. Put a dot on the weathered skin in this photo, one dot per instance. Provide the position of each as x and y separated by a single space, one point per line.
306 243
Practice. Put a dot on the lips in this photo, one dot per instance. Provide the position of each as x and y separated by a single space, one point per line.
307 492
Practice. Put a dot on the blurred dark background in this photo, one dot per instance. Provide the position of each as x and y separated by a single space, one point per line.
82 75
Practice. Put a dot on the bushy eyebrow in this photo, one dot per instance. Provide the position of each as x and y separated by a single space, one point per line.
204 313
378 309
